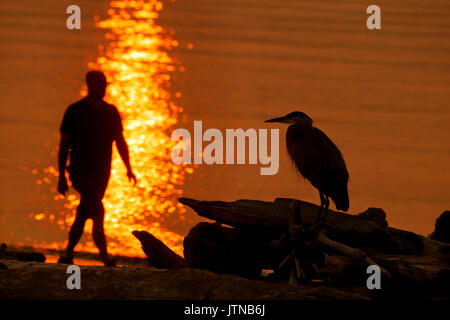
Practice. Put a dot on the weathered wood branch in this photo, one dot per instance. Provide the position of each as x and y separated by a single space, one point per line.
301 239
348 252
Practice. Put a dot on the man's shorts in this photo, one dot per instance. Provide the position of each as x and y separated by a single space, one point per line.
91 187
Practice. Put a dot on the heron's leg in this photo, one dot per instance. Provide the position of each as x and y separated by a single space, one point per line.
327 203
322 202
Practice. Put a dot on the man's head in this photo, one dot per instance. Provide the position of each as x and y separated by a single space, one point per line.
96 83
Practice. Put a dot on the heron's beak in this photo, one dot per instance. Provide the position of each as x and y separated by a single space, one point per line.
280 119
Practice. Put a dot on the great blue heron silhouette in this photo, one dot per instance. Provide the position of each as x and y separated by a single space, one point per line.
318 160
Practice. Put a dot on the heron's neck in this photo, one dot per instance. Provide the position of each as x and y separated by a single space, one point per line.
304 123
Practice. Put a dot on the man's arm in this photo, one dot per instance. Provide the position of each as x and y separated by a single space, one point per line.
122 147
64 146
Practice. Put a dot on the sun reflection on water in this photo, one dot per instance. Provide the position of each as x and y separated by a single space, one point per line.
137 65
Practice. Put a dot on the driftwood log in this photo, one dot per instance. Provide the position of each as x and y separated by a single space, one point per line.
158 254
350 243
417 276
442 228
301 240
347 229
216 248
241 251
241 241
20 255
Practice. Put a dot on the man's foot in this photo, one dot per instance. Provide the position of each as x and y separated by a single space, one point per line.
66 258
109 263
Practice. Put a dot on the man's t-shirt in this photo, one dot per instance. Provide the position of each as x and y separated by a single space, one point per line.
93 130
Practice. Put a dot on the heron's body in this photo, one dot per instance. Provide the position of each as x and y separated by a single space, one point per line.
319 161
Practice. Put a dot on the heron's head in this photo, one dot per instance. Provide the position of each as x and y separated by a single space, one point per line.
293 117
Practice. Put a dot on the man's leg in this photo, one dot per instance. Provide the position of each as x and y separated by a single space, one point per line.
77 228
98 233
75 233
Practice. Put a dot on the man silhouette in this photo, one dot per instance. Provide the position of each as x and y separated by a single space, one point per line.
88 130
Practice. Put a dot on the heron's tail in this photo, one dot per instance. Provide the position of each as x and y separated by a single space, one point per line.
341 200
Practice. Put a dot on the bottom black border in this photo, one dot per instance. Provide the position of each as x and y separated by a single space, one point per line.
273 309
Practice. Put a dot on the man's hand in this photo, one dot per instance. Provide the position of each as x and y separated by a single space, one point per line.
62 185
122 147
131 177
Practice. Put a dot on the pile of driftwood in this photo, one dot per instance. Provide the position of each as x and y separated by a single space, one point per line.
250 236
